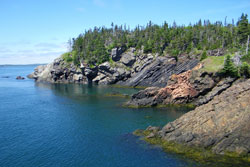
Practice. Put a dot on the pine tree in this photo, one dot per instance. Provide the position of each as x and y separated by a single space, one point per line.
204 55
243 28
245 70
229 68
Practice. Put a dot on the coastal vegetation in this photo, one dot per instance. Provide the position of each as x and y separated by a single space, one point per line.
94 45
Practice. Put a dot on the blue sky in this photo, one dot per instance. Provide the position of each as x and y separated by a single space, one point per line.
36 31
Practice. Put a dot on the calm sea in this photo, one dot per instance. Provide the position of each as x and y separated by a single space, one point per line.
72 125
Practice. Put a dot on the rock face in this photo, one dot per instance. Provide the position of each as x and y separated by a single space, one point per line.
57 72
116 54
131 68
193 86
158 72
223 124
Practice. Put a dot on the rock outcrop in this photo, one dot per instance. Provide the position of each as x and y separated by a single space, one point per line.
127 68
222 125
158 72
57 72
20 78
193 86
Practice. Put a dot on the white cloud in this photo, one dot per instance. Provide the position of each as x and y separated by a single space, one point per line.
31 54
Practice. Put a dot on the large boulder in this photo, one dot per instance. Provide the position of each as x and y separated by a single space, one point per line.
128 58
105 66
90 73
99 77
77 77
116 54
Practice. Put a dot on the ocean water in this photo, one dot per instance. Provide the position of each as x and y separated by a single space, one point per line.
72 125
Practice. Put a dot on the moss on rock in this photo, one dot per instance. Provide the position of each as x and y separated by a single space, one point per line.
198 154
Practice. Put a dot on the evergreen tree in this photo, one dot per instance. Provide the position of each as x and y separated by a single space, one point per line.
243 28
229 68
245 70
95 45
204 55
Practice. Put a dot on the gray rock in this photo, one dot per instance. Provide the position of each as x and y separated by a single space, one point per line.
20 78
153 129
105 66
121 71
90 73
99 77
77 77
236 59
116 54
128 59
158 72
216 90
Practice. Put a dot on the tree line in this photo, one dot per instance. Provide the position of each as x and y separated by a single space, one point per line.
93 47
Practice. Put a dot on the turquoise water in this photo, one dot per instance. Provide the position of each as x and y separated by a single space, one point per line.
75 125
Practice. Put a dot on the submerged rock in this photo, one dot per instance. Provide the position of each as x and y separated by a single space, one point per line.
20 78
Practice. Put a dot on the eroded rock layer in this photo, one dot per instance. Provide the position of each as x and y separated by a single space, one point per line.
193 86
130 68
223 124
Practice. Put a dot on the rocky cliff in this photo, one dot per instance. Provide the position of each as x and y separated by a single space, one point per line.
222 125
194 87
130 68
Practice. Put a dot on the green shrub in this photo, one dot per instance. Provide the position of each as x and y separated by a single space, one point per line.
245 70
204 55
229 69
246 58
67 57
75 58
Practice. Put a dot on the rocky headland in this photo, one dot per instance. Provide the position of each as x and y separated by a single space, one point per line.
131 68
220 121
222 126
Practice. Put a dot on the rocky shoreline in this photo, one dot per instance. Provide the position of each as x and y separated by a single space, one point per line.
221 126
220 121
132 68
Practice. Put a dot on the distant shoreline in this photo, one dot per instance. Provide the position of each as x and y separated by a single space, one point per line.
22 64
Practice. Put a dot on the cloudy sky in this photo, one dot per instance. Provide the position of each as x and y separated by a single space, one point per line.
37 31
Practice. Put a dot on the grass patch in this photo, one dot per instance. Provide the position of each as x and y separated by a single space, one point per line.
213 63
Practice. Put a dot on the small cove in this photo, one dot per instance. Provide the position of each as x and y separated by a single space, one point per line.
75 125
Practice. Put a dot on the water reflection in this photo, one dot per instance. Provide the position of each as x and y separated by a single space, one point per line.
85 92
